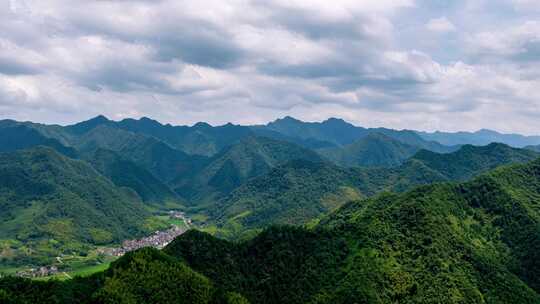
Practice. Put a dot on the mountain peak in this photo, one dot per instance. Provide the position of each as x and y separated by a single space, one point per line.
287 119
201 125
98 119
333 120
149 122
147 119
90 124
487 131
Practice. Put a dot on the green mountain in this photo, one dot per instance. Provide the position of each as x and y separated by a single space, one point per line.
475 242
427 167
144 276
338 132
333 130
162 160
470 242
470 160
200 139
301 191
294 193
15 136
248 158
373 150
125 173
51 204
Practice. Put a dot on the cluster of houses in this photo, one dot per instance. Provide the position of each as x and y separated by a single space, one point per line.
38 272
158 240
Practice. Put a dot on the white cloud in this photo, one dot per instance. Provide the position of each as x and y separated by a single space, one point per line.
521 42
526 5
440 25
249 61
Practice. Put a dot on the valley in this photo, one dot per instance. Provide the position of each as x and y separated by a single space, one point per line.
99 258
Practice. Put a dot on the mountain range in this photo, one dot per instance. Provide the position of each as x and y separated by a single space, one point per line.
363 215
301 191
471 242
480 138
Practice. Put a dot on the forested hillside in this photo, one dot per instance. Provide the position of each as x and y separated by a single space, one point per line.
301 191
199 139
66 190
125 173
373 150
472 242
248 158
294 193
50 203
15 136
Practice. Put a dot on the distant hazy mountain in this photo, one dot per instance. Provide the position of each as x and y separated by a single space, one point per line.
54 203
335 131
372 150
339 132
533 148
15 136
200 139
162 160
480 138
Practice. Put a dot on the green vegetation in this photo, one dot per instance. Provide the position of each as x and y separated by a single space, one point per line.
15 136
373 150
470 242
125 173
51 204
361 236
143 276
294 193
475 242
300 191
160 159
470 160
250 157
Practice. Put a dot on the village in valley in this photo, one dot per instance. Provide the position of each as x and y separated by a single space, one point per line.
159 239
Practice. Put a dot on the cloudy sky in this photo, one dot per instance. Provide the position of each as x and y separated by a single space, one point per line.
416 64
